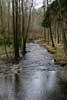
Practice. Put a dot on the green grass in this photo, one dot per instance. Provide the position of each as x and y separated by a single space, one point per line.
3 57
59 54
2 49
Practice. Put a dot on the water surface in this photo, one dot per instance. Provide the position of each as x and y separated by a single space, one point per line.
36 78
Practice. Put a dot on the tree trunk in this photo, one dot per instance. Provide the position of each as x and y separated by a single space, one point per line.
15 28
51 37
23 31
64 39
8 22
49 20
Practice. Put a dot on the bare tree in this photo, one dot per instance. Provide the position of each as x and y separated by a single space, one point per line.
49 21
28 10
15 28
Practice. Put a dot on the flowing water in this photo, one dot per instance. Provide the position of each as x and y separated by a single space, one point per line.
36 78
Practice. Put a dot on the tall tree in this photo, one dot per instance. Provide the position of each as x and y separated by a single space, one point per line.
27 11
15 28
49 21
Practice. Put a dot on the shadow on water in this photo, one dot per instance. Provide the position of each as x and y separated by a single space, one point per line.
38 79
17 86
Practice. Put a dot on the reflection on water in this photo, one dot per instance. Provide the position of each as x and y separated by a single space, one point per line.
43 84
6 87
51 80
17 86
34 81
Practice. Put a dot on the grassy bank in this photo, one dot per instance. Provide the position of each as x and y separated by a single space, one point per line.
57 51
3 57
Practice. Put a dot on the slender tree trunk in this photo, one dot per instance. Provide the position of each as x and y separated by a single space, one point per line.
5 46
51 36
49 20
29 20
8 22
23 31
15 28
19 24
44 34
58 39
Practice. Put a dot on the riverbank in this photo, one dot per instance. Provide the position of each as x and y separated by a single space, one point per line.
57 51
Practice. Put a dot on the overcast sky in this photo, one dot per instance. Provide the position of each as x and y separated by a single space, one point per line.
39 3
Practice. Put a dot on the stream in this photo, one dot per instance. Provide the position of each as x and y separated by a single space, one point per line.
36 77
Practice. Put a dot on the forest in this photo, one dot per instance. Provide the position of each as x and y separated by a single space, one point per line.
33 49
17 27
